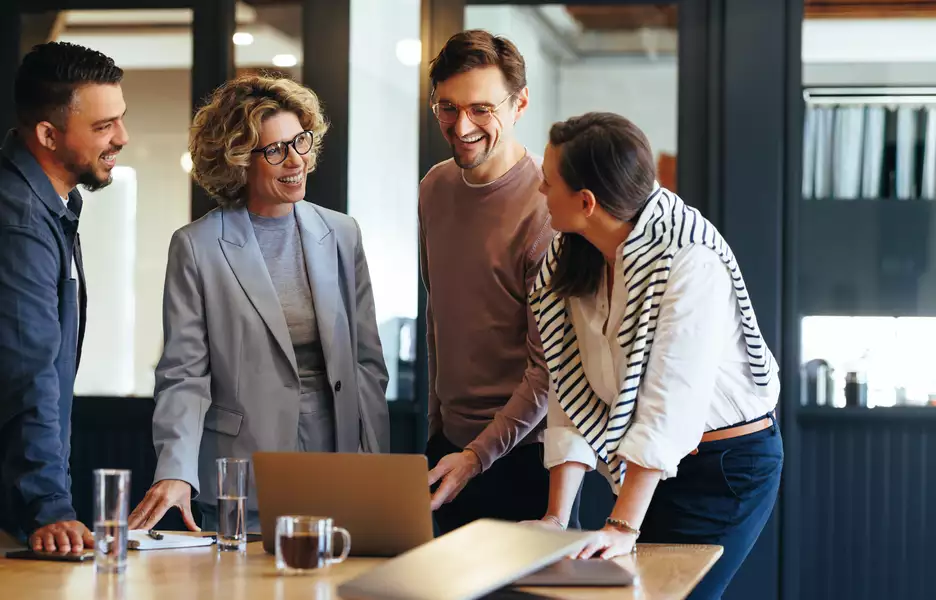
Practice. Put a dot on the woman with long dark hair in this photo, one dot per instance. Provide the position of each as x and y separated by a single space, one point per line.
660 376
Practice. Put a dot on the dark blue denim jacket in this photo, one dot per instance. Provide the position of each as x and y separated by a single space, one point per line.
41 326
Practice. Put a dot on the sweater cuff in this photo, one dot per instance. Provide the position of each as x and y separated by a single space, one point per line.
486 455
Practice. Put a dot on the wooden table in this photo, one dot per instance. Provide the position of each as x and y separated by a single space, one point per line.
664 571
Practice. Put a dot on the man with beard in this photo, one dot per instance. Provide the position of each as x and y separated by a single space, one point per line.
484 228
69 110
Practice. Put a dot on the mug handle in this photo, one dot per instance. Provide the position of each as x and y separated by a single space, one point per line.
346 549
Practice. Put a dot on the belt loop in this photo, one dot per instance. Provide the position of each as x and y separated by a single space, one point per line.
773 421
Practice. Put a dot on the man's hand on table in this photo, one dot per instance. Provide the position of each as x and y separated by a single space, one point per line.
64 537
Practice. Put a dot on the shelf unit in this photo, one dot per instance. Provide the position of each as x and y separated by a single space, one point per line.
895 414
867 142
867 257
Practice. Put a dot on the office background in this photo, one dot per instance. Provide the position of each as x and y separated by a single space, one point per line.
803 131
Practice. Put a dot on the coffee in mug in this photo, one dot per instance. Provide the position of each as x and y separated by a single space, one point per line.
306 544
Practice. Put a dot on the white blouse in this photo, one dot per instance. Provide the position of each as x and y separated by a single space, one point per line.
697 378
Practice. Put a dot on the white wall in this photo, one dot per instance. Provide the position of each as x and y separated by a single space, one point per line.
645 90
108 247
869 40
876 52
541 66
157 121
561 88
383 169
640 89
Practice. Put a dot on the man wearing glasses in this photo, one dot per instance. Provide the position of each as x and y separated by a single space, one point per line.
484 229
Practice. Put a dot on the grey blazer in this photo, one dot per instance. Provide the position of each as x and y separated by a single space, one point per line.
227 383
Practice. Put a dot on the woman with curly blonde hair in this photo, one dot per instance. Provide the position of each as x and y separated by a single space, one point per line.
270 334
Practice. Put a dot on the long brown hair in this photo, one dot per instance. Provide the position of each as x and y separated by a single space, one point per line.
611 157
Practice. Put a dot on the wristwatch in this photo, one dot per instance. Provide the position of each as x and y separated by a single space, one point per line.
622 525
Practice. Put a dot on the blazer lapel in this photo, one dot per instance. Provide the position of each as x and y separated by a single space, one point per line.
320 248
240 248
321 257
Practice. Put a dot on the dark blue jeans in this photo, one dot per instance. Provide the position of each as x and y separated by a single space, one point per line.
723 495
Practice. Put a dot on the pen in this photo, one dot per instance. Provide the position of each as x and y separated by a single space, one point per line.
154 534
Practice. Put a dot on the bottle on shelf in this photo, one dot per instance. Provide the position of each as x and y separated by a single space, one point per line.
856 389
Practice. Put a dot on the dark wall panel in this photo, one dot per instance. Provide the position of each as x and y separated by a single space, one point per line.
700 94
117 433
753 119
439 20
868 486
790 496
326 70
866 257
212 65
114 433
10 32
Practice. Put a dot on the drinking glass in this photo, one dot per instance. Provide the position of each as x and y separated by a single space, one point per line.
232 504
111 510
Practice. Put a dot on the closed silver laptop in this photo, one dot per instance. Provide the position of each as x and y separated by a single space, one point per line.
467 563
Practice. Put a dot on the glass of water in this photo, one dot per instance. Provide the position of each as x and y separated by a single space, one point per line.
111 509
232 503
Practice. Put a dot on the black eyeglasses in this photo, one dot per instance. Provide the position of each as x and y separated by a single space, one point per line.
479 114
277 152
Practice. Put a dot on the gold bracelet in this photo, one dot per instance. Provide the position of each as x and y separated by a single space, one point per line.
622 525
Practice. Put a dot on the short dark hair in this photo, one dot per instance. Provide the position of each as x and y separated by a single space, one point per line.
478 48
49 75
611 157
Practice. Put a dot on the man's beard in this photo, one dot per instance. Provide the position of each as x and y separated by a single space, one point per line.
85 175
89 181
479 159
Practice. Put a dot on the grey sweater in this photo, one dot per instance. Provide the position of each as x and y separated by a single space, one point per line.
281 247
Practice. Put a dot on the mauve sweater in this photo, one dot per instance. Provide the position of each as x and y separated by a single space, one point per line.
480 248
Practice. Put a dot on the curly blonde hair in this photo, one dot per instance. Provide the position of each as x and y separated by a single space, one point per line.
227 128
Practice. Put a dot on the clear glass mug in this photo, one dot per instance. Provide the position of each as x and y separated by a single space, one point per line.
305 544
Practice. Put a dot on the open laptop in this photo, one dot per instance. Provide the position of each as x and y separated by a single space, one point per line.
467 563
381 499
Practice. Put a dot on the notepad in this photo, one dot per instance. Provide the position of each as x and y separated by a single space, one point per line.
140 540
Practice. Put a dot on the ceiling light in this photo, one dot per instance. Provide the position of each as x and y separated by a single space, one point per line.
284 60
409 52
186 162
242 38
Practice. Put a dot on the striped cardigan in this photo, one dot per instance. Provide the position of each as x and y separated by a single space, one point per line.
666 225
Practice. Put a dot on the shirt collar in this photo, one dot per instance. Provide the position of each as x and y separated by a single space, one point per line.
16 152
